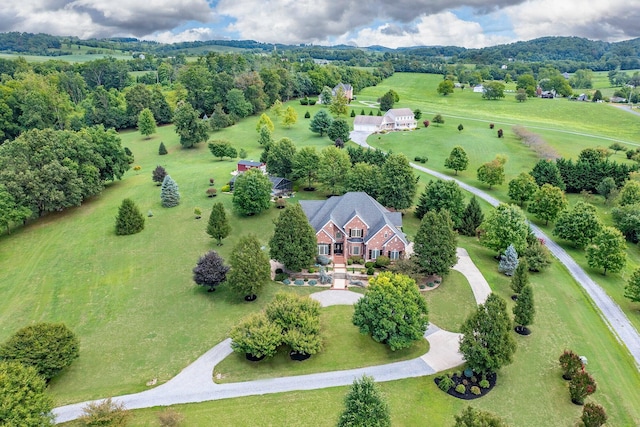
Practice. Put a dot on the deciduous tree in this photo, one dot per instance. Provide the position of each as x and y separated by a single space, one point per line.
191 129
339 129
294 240
48 347
399 183
11 212
579 225
392 311
386 101
129 220
265 121
486 343
158 174
210 270
256 335
146 123
435 243
445 87
522 188
333 169
339 103
251 192
607 251
632 289
280 158
222 148
439 195
505 225
520 277
364 177
365 406
218 226
305 165
250 268
290 117
492 172
547 203
457 160
493 90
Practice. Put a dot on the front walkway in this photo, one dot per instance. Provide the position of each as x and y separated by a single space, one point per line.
195 383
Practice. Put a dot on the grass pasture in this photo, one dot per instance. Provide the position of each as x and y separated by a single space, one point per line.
139 316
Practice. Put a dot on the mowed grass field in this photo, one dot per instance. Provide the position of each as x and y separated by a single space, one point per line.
139 315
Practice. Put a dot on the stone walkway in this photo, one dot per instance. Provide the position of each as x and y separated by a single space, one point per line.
195 384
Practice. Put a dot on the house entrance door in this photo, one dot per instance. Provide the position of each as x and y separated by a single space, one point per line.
338 248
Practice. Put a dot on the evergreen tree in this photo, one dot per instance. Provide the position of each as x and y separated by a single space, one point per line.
158 174
524 310
547 172
294 240
252 192
218 226
520 277
457 160
439 195
472 218
146 123
387 101
339 129
508 261
250 267
487 343
265 139
169 194
522 188
364 406
129 219
608 251
632 289
321 122
25 401
435 244
399 183
210 270
162 150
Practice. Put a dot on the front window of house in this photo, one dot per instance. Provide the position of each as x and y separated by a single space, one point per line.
355 250
374 253
394 254
355 232
323 249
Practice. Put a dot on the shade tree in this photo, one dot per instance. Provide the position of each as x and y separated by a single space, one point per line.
364 406
222 148
522 188
457 160
256 335
492 173
579 224
440 195
210 270
25 401
251 192
632 288
608 250
505 225
392 311
547 203
333 168
191 129
398 184
305 165
280 158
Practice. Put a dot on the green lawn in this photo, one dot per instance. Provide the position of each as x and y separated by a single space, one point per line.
344 348
139 316
451 302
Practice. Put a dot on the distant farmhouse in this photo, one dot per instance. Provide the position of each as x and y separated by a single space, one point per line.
347 90
394 119
355 224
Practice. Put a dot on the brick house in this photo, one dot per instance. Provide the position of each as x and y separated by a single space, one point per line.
355 224
347 90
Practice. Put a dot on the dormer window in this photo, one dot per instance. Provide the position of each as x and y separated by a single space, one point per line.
338 235
355 232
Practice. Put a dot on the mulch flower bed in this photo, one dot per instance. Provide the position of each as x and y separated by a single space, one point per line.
469 383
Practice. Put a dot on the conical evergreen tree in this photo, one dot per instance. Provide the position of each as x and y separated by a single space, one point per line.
364 406
435 244
524 309
508 261
169 193
218 226
129 220
162 150
294 240
520 277
471 218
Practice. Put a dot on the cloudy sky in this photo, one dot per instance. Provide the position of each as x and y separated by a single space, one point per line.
391 23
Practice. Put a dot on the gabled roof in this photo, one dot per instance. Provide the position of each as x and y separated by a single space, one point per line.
395 112
250 163
345 87
367 120
341 209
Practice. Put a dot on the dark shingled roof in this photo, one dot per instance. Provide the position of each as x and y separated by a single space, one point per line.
341 209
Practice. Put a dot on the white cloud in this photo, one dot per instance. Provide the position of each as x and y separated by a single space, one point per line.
444 29
189 35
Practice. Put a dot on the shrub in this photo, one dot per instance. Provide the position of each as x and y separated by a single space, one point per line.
582 385
370 271
484 384
500 133
137 168
593 415
281 203
445 383
323 260
311 270
426 123
298 282
170 418
304 101
129 220
363 271
570 364
281 277
225 188
104 413
349 261
369 264
313 282
491 125
286 281
211 192
460 388
382 261
307 115
475 390
460 127
312 101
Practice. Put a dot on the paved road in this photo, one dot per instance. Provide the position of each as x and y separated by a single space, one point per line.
195 383
608 309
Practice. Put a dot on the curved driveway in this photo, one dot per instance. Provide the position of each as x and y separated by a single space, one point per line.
195 383
613 316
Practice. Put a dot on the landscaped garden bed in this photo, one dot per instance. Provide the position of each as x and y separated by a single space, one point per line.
467 385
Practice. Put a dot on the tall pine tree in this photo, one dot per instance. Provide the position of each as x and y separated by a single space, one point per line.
218 226
129 219
471 219
435 244
524 310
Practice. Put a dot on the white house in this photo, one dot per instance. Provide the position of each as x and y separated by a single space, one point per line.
394 119
478 89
